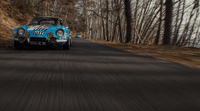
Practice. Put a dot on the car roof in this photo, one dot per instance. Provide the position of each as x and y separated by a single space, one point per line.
47 17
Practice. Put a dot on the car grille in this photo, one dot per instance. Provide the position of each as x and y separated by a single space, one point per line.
37 39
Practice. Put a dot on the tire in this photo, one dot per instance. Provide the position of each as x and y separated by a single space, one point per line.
18 45
70 42
66 46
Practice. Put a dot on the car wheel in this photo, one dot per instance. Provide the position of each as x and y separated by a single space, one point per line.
18 45
66 46
70 42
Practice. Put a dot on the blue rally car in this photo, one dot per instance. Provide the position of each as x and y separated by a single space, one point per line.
78 36
43 31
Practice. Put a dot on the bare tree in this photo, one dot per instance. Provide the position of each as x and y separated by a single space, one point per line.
168 22
128 20
160 22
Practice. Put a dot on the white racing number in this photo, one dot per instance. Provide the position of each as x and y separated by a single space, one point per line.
38 33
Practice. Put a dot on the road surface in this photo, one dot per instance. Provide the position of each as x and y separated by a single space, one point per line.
93 77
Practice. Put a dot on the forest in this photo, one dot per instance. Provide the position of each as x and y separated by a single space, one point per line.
148 22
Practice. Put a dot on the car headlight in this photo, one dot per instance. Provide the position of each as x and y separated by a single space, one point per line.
60 33
20 31
50 35
26 34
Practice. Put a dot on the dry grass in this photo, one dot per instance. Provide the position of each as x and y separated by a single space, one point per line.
189 57
8 23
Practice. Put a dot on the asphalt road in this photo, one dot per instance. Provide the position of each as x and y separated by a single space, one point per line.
93 77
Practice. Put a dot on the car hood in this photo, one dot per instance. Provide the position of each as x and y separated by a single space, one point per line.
39 27
44 28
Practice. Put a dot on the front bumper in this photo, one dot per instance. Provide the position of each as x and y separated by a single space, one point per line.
61 41
40 41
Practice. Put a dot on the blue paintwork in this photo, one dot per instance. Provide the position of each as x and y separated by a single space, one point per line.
51 29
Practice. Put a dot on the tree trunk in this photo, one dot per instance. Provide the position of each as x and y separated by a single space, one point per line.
107 30
168 22
128 20
176 25
177 32
160 23
135 22
120 29
102 21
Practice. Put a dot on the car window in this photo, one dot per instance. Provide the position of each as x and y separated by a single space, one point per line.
47 22
43 21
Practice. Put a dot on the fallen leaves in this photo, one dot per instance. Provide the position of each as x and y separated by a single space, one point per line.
189 57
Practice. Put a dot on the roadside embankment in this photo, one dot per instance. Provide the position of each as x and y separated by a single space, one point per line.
189 57
10 18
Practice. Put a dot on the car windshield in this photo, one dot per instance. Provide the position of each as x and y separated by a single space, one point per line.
43 21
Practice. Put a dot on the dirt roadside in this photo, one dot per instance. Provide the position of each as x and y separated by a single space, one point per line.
189 57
